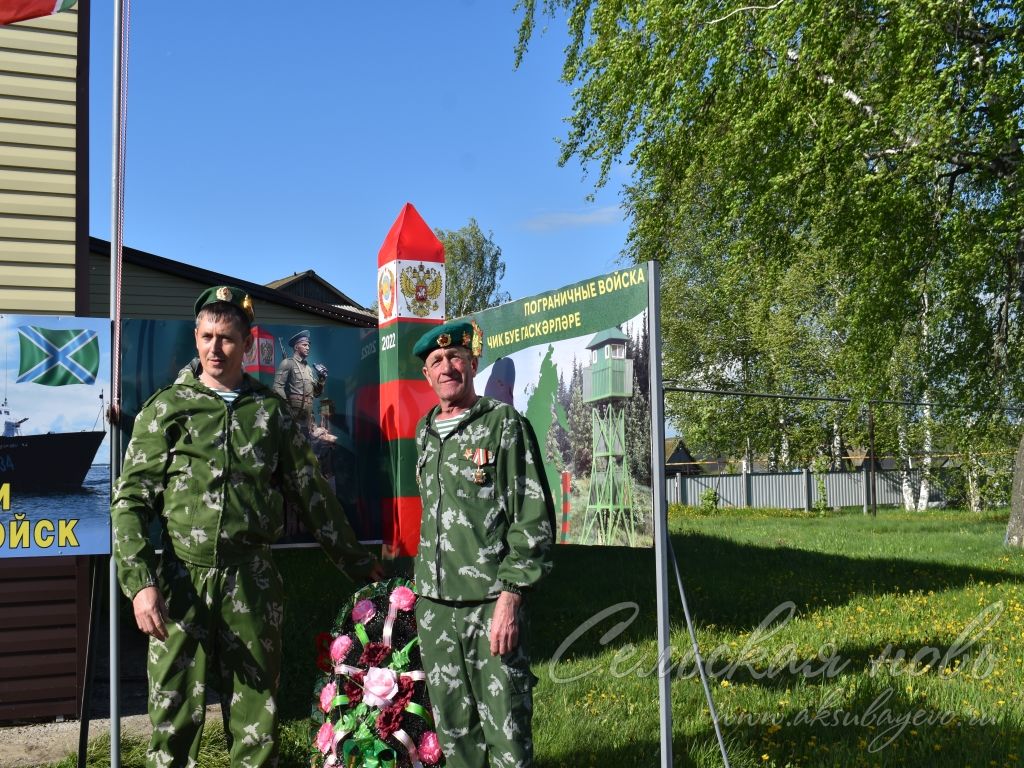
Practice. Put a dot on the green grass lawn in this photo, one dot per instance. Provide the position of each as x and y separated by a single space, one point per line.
896 641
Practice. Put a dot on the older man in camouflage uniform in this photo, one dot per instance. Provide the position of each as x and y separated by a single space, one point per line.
485 537
214 455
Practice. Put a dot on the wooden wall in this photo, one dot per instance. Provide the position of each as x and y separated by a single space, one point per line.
44 605
43 163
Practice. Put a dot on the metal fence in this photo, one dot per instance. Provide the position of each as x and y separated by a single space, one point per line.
789 490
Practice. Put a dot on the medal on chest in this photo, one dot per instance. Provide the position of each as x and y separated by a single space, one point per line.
480 457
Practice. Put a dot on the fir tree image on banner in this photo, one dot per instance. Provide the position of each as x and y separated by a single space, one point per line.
57 357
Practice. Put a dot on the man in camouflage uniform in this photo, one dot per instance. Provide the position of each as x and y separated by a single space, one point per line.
299 383
214 455
485 539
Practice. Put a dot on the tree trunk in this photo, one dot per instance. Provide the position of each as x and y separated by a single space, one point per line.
906 486
926 463
1015 528
973 483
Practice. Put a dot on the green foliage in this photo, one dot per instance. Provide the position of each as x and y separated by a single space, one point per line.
834 194
473 270
708 501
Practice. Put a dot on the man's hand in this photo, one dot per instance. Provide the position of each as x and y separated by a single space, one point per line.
151 612
377 572
505 624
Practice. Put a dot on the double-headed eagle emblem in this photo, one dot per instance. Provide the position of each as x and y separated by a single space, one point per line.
421 285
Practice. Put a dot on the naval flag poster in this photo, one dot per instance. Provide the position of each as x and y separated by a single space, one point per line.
344 433
575 362
54 452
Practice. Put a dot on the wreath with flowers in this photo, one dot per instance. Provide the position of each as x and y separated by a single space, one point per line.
371 708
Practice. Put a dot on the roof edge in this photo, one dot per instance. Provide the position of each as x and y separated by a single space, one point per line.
257 291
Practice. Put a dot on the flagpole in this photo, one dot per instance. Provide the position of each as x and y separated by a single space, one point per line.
116 198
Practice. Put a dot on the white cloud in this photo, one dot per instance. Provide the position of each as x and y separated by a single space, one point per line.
599 217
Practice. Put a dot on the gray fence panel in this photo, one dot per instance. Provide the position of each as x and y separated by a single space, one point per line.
781 489
730 489
787 490
842 489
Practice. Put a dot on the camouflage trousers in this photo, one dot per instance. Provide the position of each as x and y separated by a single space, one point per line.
225 631
482 704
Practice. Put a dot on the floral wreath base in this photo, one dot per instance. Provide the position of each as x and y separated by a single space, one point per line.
371 708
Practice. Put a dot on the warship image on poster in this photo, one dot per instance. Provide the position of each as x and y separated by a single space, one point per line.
51 461
54 471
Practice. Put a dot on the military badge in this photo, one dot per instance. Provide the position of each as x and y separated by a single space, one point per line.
224 293
444 340
421 285
481 457
477 345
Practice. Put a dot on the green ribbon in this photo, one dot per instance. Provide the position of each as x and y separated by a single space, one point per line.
361 633
372 753
400 659
415 709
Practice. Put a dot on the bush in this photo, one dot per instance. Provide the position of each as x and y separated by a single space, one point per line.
709 501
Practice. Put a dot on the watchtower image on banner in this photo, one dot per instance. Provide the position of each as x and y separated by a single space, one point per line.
575 361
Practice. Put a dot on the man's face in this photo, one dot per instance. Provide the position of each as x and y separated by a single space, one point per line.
450 372
302 349
221 343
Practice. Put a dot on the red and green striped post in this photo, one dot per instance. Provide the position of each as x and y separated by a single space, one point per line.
410 298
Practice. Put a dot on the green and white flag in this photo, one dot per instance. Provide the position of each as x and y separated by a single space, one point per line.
58 356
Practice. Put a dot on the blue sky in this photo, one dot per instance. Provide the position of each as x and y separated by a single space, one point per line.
261 144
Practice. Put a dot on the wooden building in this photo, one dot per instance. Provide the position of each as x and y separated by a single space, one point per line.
158 288
44 218
50 265
44 162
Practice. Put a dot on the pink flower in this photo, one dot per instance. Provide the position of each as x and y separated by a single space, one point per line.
429 750
327 696
403 598
363 611
340 647
325 738
379 686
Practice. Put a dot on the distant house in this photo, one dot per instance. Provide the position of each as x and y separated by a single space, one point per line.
309 285
679 460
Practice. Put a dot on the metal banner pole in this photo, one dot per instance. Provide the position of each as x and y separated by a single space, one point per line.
660 510
116 198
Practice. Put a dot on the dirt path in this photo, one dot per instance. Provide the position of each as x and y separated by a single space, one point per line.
33 745
41 744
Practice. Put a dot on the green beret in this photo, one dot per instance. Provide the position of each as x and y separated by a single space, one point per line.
456 333
231 295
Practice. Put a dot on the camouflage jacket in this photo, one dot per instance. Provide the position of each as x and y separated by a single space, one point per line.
487 510
218 475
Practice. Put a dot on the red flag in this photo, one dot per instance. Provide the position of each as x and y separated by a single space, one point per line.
20 10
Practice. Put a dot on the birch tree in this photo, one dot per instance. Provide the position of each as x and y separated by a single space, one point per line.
807 172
